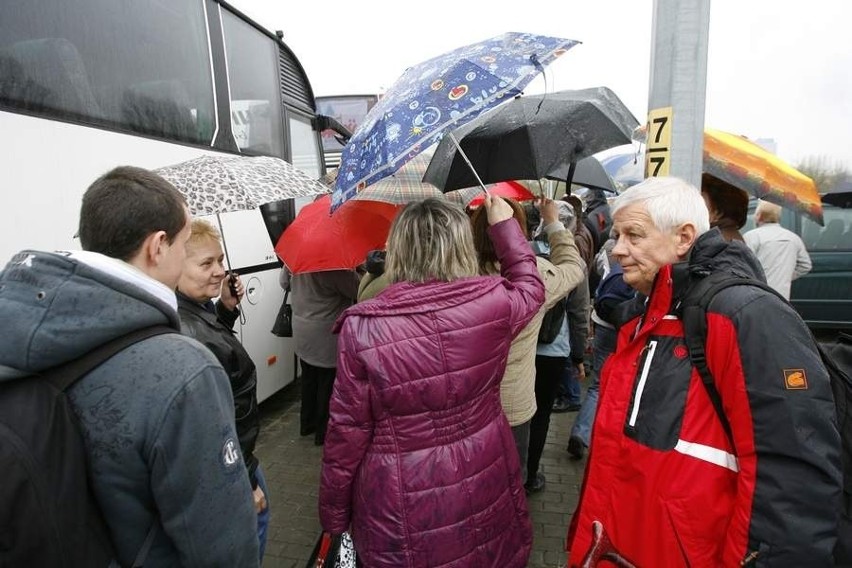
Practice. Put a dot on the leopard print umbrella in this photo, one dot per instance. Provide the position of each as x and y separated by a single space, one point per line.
222 183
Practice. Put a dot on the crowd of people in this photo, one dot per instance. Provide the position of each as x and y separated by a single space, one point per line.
430 373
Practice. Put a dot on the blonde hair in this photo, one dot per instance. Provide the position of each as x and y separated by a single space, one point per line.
767 212
430 240
202 230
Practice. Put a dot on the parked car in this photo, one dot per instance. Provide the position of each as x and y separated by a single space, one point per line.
823 297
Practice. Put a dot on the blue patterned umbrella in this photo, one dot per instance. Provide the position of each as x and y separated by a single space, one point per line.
438 95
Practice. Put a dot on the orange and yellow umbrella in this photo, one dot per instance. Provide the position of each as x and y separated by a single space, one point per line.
743 164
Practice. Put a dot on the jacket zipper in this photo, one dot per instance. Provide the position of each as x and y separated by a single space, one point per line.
643 378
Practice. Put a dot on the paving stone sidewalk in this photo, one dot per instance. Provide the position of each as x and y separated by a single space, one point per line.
291 465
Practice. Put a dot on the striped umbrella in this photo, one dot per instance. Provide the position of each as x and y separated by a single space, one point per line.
401 187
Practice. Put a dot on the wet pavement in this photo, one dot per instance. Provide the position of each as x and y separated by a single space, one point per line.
291 465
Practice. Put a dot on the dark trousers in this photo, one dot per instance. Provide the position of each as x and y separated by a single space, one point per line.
317 383
521 432
548 372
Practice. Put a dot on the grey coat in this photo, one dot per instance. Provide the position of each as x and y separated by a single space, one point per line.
157 418
318 299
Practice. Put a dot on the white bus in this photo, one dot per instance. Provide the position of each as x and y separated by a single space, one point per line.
89 85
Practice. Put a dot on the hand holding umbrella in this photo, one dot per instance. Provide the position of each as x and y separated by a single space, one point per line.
549 211
497 209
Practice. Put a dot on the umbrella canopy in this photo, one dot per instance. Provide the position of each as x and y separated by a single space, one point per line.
436 95
589 172
223 183
317 241
399 188
626 167
743 164
473 196
533 137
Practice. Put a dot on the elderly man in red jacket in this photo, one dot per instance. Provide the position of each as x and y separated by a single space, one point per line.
664 482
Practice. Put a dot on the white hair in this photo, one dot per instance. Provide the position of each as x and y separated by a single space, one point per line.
670 202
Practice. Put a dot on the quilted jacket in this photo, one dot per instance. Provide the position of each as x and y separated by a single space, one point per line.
419 459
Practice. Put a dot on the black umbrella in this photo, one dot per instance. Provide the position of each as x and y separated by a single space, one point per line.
840 195
589 172
532 138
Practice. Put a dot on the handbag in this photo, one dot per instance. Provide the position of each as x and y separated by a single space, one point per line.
283 326
333 551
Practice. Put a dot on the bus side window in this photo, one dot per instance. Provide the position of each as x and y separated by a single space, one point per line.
161 108
47 73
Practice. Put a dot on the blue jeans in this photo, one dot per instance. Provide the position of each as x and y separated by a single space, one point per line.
263 516
569 384
603 345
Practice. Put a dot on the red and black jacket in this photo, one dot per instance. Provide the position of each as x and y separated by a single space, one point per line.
663 478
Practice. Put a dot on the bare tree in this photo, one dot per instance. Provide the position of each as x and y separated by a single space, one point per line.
825 172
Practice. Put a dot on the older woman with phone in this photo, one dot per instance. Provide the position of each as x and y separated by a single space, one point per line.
211 323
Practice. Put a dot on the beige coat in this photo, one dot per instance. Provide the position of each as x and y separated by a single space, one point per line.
561 274
318 299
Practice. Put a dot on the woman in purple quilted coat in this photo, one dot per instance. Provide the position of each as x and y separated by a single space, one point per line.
419 461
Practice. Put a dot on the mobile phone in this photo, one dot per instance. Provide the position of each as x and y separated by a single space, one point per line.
232 284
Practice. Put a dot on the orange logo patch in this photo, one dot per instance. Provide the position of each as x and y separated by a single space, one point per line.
795 379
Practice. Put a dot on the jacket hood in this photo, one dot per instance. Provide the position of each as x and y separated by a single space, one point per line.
414 298
712 253
61 308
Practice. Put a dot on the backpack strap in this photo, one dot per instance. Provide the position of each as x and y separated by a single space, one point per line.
139 561
694 316
66 374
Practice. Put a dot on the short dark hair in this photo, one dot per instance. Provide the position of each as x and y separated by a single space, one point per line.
125 205
731 202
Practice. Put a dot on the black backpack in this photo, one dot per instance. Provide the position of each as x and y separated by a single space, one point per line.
551 324
48 513
694 316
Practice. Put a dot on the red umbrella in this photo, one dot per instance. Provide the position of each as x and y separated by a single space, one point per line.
317 240
473 196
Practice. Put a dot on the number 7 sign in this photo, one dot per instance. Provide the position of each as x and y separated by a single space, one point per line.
659 142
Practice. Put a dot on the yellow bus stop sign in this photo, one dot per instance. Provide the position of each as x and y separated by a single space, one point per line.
659 142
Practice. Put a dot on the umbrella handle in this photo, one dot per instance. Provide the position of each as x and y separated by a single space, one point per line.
230 276
467 161
570 177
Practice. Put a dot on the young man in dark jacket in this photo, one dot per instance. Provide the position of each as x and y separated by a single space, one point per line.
157 418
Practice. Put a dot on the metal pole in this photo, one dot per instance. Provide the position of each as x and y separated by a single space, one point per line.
467 161
675 130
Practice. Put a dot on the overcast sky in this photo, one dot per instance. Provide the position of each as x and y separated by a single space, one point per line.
778 69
